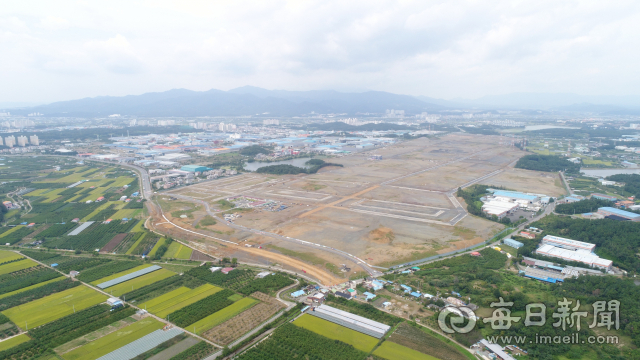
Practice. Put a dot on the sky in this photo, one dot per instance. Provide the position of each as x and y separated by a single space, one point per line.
56 50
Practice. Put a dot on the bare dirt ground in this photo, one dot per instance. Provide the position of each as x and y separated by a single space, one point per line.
529 181
385 212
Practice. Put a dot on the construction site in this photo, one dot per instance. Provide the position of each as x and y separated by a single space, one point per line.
367 214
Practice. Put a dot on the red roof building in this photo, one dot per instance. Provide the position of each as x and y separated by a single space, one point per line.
227 270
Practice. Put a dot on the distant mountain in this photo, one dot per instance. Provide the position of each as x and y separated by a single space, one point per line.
237 102
550 101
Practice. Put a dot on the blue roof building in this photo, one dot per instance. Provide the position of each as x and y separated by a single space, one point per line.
369 295
416 294
513 243
608 211
297 293
377 285
515 195
194 168
407 288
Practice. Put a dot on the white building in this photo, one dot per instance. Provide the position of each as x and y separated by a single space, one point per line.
10 141
33 139
271 122
23 141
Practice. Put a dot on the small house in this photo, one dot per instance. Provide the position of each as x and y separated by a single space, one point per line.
227 270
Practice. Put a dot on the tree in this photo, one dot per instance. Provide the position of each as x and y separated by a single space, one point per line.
234 262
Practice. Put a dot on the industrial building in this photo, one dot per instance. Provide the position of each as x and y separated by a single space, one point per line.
498 208
617 213
516 196
582 256
567 243
513 243
194 168
603 197
351 321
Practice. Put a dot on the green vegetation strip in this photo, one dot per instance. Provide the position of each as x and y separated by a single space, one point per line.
169 303
14 341
114 340
223 315
139 282
52 307
393 351
16 266
333 331
30 287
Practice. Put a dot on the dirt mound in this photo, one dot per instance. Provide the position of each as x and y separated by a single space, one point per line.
382 235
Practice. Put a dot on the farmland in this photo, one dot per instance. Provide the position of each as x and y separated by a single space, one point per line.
392 351
52 307
130 269
223 315
240 324
16 266
293 342
336 332
179 298
14 341
201 308
114 340
178 251
139 282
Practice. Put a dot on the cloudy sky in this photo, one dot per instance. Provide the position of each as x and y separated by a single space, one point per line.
58 50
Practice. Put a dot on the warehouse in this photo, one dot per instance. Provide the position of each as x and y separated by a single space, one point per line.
513 243
498 208
626 215
582 256
603 197
515 196
567 243
194 168
351 321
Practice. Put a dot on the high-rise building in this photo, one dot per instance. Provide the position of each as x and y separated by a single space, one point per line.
33 139
1 142
23 141
221 126
10 141
271 122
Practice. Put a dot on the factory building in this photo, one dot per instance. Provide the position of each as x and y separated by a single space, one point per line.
498 208
582 256
194 168
567 243
515 196
603 197
618 214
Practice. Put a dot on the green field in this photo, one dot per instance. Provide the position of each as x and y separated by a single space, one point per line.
140 281
393 351
114 340
17 265
223 315
16 340
31 287
15 228
139 227
135 244
121 273
153 251
55 306
178 251
333 331
6 256
179 298
96 211
124 213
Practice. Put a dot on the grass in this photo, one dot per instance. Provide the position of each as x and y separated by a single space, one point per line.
97 210
15 228
223 315
177 299
393 351
235 297
121 273
159 243
124 213
139 227
184 253
139 282
9 256
114 340
31 287
14 341
333 331
17 265
55 306
135 244
178 251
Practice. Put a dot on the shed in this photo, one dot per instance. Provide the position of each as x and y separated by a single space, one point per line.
227 270
263 274
416 294
112 301
214 268
298 293
74 273
343 295
513 243
475 253
369 295
54 265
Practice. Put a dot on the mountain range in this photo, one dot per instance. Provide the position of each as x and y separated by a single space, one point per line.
252 101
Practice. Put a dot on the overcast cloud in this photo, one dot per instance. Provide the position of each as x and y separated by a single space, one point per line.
58 50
